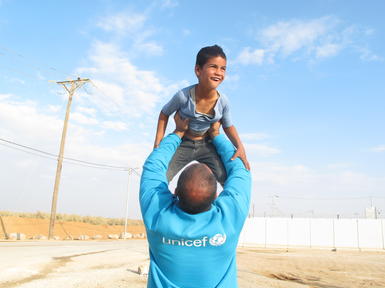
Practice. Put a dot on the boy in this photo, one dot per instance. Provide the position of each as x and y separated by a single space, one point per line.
202 105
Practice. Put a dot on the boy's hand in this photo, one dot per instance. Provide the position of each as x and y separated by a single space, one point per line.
181 125
214 129
241 153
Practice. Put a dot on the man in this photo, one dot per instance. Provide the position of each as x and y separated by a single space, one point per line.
193 234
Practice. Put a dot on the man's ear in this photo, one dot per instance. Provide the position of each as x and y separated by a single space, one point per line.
176 192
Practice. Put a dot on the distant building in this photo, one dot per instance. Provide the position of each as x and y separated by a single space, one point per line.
372 212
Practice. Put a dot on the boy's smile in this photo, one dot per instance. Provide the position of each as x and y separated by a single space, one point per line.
212 73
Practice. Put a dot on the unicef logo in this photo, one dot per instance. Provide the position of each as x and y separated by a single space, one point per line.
218 239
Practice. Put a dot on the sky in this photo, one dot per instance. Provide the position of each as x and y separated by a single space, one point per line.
305 80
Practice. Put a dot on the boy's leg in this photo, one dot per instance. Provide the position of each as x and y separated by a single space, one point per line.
208 155
183 155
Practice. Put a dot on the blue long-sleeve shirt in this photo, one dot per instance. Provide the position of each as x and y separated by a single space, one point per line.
199 250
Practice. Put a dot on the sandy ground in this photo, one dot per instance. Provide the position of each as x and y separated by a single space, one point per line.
31 227
97 264
311 268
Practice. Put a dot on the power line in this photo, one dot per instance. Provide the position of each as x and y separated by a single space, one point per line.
28 152
119 115
65 160
32 63
326 198
105 95
68 159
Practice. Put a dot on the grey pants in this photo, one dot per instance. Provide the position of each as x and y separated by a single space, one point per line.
202 151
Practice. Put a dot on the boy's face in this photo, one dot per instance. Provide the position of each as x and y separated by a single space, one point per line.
212 73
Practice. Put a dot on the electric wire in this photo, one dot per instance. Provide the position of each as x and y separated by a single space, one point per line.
5 51
326 198
32 63
70 160
118 115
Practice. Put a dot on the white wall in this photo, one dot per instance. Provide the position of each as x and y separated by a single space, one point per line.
314 232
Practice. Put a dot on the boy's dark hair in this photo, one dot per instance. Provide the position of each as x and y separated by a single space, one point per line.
209 52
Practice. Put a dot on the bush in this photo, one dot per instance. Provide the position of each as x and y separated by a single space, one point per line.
96 220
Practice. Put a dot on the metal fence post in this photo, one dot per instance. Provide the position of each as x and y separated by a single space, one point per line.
358 236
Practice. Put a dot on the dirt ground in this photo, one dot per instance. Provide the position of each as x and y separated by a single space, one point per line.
31 227
116 266
310 268
257 267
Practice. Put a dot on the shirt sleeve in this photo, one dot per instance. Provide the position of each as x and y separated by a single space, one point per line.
237 188
226 116
154 193
174 104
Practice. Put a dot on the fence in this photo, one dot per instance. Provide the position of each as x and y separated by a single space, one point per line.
314 232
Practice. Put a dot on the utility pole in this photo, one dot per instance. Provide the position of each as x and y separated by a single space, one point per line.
3 227
130 172
128 192
70 86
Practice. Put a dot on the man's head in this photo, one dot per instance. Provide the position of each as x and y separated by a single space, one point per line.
196 188
209 52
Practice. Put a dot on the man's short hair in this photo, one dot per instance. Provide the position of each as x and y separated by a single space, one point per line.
209 52
196 188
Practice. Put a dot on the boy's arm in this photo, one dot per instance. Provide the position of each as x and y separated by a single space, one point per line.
161 128
232 133
172 106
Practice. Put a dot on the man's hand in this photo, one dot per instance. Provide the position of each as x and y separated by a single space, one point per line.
242 155
181 125
214 129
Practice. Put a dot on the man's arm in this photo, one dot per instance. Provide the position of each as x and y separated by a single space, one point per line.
232 133
153 181
238 183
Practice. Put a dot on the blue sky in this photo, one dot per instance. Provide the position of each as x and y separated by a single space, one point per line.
305 82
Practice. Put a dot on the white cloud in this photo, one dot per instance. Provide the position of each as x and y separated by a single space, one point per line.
133 26
4 96
369 32
288 37
17 81
248 56
300 180
255 150
379 148
253 136
122 87
24 118
327 50
30 123
86 110
367 55
83 119
186 32
40 76
114 125
122 23
26 122
150 48
54 108
318 38
169 3
338 166
232 78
